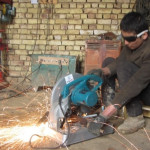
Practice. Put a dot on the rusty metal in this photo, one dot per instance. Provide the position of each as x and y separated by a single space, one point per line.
98 50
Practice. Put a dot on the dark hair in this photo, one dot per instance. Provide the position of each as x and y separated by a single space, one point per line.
133 22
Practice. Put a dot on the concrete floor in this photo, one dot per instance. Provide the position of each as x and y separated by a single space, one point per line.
28 108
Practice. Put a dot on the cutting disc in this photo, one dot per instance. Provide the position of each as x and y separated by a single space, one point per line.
55 111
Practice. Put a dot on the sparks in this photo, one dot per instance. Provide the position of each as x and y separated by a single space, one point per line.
20 135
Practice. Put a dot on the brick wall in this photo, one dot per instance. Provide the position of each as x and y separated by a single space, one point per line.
59 29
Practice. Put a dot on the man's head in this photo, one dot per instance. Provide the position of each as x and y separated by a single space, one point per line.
134 29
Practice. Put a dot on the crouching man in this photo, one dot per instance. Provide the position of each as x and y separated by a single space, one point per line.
132 69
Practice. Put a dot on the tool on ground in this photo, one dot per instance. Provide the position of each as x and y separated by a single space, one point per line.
73 97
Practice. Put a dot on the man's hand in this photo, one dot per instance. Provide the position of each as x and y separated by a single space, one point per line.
100 72
106 71
97 72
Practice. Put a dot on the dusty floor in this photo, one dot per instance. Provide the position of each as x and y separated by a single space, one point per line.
18 122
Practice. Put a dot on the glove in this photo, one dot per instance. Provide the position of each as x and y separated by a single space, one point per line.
95 126
97 72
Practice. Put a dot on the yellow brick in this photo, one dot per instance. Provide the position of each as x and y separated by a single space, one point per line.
67 42
65 5
120 16
62 52
107 27
107 1
84 26
71 37
94 1
62 11
104 21
71 27
61 21
99 15
131 6
86 32
28 42
126 10
24 31
106 16
78 27
33 10
125 5
22 46
22 10
32 21
109 5
52 21
72 32
104 11
70 16
81 37
57 37
83 16
114 16
24 21
57 27
79 5
78 1
76 48
40 42
114 27
28 5
35 52
69 48
79 42
64 37
61 48
75 21
55 42
114 21
18 68
19 21
59 32
58 5
14 73
102 5
73 5
90 10
15 41
76 11
16 36
21 52
89 21
22 57
116 11
87 5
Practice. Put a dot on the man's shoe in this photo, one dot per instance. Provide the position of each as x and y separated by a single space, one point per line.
132 124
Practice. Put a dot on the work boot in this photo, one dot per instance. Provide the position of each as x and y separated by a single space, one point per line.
132 124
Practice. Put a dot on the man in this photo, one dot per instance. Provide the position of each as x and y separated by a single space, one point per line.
132 69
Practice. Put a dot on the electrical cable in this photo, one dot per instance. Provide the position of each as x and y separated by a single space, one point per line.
62 144
19 93
26 76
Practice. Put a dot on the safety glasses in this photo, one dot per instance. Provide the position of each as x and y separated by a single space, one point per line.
133 38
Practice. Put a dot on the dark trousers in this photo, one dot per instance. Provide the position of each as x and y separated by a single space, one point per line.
125 70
